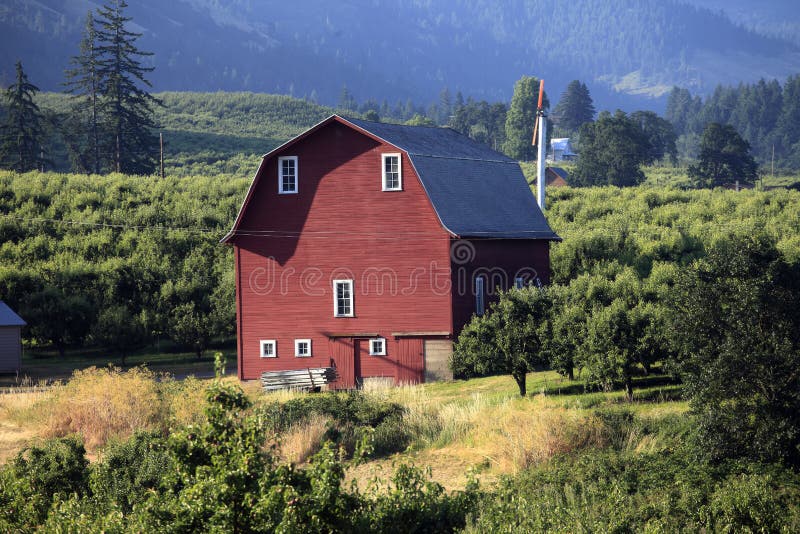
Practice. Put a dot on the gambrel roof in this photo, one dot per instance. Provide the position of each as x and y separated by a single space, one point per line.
475 191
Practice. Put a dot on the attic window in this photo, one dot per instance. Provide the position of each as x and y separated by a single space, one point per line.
392 174
287 175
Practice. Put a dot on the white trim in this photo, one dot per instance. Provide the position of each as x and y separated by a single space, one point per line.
480 296
336 300
399 157
381 352
271 343
281 190
297 343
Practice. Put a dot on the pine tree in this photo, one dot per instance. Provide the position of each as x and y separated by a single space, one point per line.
574 108
130 145
83 129
22 135
521 117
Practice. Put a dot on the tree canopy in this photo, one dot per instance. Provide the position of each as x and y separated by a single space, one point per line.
574 108
521 118
612 149
724 158
21 136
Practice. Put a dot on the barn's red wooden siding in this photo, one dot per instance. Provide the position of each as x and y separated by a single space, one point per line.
499 261
339 226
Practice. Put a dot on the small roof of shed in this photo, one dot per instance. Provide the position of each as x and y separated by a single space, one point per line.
475 191
8 317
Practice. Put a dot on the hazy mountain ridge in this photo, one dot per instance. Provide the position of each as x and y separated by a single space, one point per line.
413 48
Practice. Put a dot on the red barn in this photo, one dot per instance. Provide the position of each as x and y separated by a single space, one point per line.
368 246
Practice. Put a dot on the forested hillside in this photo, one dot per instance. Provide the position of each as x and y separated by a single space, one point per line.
315 48
766 114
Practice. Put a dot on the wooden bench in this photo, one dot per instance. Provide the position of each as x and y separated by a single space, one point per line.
311 379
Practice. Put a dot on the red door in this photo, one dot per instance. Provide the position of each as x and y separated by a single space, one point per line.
410 361
343 360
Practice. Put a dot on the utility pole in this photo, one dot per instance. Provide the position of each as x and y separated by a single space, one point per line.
161 142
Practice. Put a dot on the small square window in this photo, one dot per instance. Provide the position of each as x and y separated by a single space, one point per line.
343 298
302 348
391 172
287 175
269 348
377 347
519 282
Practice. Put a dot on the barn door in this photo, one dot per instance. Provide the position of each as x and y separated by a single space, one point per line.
342 354
410 361
361 352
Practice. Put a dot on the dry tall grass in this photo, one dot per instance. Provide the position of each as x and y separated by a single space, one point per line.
304 439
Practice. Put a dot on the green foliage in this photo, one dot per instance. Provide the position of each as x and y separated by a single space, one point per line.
574 108
521 118
736 328
724 158
127 266
507 339
612 150
354 416
765 113
481 121
22 135
660 135
664 492
218 476
30 482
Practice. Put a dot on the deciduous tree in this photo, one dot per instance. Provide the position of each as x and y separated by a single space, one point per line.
521 118
724 157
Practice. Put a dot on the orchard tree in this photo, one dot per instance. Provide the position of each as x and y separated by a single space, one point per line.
22 135
521 118
508 339
126 107
574 108
724 157
612 150
120 330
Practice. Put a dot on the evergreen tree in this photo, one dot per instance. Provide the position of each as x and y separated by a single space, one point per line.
22 134
660 134
445 106
574 108
129 144
83 129
346 100
521 118
612 149
724 157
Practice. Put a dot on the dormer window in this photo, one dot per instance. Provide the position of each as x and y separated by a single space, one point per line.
287 175
392 174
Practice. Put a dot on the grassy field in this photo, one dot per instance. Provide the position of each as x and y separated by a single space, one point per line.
479 427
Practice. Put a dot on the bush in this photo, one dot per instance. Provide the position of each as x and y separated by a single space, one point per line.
37 476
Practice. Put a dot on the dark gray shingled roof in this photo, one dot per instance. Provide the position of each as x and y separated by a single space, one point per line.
475 191
8 317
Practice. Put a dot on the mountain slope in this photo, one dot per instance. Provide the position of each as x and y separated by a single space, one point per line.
399 49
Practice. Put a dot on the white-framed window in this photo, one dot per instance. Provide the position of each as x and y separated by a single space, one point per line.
343 298
391 172
480 296
287 175
377 346
302 348
519 282
269 348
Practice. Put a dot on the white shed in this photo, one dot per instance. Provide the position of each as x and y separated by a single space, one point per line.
561 149
10 340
